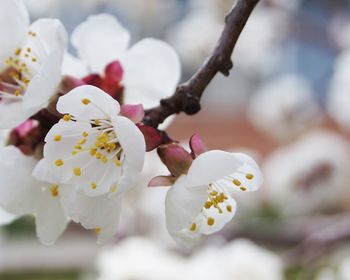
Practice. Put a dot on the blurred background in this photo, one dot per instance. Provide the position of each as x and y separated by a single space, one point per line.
286 103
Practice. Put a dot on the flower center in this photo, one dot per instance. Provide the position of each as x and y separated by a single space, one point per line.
218 197
100 142
21 67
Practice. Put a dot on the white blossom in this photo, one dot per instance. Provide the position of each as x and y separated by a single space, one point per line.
150 68
338 96
98 153
310 174
239 260
21 194
92 147
284 107
139 258
202 202
30 63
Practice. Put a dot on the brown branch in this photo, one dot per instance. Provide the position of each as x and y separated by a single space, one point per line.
188 95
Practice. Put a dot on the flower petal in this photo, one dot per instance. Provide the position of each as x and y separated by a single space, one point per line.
212 166
73 66
14 23
100 30
151 72
12 114
6 218
18 189
44 84
133 144
220 219
100 213
183 205
100 106
50 219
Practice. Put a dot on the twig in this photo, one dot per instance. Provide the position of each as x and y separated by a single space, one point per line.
188 95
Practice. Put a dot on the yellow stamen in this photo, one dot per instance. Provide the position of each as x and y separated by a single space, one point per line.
57 138
85 101
249 176
193 227
236 182
59 162
67 118
210 221
93 185
77 171
54 190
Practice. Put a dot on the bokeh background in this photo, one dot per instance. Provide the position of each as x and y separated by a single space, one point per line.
287 103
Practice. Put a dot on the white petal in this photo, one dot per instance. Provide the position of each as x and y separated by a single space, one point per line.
99 40
183 205
151 72
212 166
49 46
102 106
100 212
44 84
134 146
12 114
14 23
74 67
50 219
50 34
18 189
6 218
71 133
220 219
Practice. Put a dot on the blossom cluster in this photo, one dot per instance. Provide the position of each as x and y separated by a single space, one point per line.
77 140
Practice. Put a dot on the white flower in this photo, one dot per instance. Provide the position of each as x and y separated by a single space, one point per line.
258 51
238 257
239 260
310 174
139 258
284 107
21 194
92 147
201 202
338 97
30 59
193 46
150 68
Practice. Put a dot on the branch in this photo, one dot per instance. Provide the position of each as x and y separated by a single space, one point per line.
188 95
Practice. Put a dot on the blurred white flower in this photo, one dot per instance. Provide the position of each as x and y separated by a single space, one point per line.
338 267
258 49
284 107
149 70
193 45
338 96
30 60
21 194
140 259
310 174
239 260
202 201
44 8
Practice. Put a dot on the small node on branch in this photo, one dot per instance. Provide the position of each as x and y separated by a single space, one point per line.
191 105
